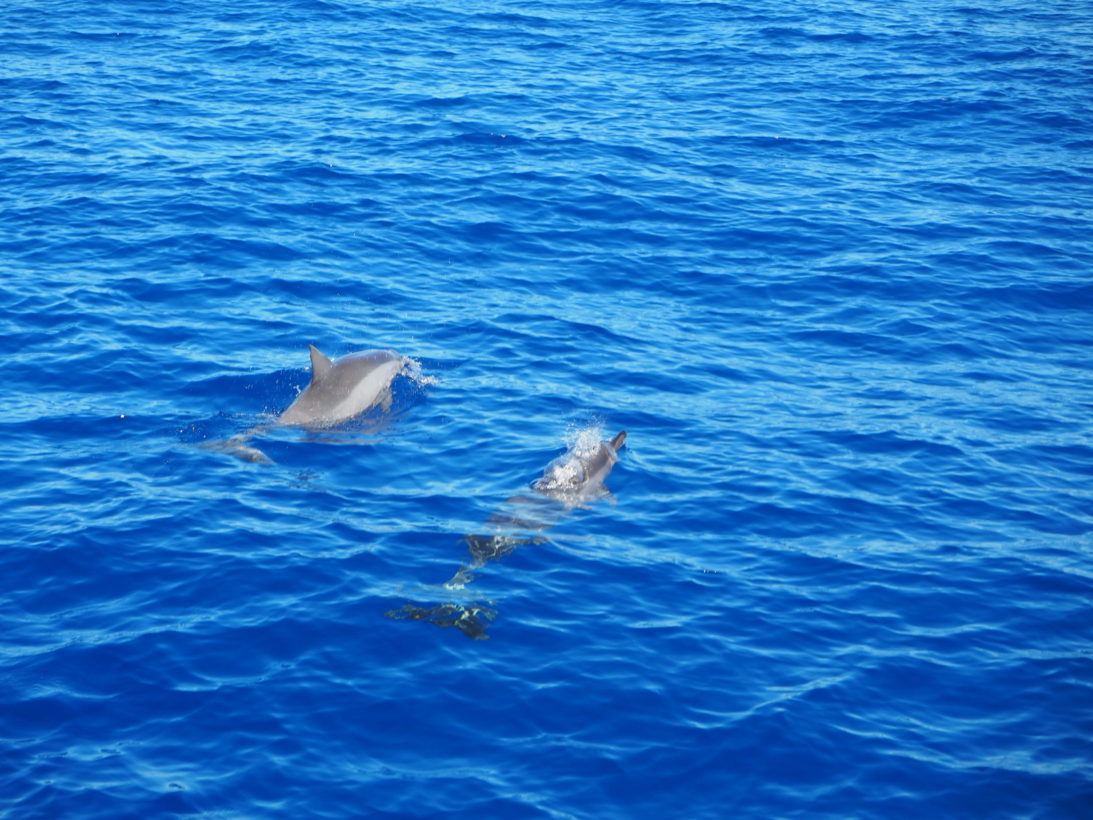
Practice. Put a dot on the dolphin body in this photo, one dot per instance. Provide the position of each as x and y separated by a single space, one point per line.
570 480
578 475
339 390
342 389
567 482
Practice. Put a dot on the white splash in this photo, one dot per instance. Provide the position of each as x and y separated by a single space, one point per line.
413 371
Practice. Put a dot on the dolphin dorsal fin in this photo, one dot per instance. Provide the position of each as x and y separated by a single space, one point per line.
320 364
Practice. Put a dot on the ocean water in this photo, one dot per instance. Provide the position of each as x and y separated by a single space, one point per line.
830 265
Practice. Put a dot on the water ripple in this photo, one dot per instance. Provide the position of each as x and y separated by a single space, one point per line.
827 266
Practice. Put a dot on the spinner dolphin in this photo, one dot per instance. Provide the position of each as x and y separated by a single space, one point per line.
344 388
567 482
339 390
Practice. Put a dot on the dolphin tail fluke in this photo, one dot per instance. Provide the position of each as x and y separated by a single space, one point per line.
251 454
470 620
237 447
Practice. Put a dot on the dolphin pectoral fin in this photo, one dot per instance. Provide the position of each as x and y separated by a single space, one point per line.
320 363
470 620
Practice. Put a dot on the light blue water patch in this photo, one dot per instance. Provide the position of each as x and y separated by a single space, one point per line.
829 266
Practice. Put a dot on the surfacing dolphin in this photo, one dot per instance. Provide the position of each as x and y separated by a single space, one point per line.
340 389
345 388
569 481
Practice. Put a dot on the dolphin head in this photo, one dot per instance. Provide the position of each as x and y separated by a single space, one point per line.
580 473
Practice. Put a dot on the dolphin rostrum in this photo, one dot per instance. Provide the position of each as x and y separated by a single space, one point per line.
570 480
339 390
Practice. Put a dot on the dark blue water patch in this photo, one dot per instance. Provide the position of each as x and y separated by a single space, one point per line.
827 270
247 394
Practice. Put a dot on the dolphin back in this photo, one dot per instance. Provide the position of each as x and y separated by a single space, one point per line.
344 388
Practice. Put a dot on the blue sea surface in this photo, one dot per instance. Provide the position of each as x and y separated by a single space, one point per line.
829 264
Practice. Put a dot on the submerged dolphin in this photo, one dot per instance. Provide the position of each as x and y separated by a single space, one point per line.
567 482
339 390
570 480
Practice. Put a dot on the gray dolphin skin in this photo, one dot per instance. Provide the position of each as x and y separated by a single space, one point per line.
567 482
339 390
342 389
570 480
577 476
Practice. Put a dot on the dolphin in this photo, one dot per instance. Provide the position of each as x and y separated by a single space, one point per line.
339 390
573 478
342 389
567 482
578 475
